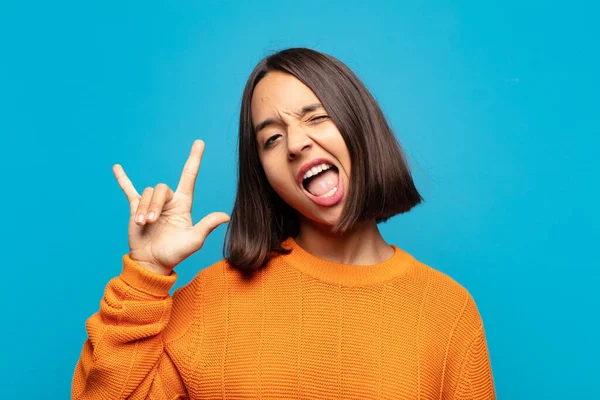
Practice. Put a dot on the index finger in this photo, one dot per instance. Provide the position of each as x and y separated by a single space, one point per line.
190 169
125 183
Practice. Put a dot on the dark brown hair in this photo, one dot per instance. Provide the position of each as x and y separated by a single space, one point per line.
381 185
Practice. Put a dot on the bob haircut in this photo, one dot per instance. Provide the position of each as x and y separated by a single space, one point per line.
381 185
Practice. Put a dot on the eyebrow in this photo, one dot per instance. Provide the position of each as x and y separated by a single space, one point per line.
301 113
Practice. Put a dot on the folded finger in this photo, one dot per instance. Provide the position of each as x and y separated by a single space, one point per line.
162 193
142 210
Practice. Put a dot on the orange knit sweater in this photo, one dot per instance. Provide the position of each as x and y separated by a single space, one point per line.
302 327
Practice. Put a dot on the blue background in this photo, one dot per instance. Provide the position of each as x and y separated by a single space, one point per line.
496 105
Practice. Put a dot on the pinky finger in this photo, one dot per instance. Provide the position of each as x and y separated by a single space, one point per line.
125 183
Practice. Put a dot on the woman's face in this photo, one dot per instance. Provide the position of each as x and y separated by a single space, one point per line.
303 154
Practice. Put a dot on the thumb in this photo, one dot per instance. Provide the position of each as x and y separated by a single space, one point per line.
206 225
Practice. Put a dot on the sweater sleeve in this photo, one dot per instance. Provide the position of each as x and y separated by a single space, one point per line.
124 355
475 377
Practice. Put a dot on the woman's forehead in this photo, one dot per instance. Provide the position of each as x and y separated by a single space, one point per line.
280 92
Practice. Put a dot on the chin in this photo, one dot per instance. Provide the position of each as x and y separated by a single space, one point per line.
327 219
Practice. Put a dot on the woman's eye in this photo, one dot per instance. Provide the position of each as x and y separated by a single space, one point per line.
271 140
320 117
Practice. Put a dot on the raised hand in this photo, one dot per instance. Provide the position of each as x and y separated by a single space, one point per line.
161 232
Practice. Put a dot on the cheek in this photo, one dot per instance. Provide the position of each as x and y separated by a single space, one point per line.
333 141
279 181
282 185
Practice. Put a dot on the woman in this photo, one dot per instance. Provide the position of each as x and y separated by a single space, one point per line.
310 301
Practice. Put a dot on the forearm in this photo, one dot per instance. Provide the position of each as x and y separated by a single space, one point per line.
125 337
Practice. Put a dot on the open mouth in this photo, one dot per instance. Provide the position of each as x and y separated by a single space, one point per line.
321 180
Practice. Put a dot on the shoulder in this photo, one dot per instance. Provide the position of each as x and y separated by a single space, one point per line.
440 292
188 300
215 283
211 276
434 279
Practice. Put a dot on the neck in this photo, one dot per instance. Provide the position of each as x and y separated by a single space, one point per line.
363 245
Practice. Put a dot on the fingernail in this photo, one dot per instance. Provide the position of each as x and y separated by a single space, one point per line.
139 218
151 215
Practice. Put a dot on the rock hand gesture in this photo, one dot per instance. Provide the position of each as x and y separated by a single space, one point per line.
161 232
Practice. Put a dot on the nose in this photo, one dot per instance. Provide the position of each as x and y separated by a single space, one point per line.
297 141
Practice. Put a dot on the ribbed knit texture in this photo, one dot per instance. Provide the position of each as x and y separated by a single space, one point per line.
302 327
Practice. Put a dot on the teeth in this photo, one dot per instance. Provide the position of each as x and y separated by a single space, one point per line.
315 170
330 193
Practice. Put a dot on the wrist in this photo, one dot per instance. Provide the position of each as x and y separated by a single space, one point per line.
144 277
154 268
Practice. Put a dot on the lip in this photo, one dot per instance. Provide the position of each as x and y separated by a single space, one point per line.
313 163
324 202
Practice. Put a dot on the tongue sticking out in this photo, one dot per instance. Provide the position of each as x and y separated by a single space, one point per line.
322 183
